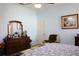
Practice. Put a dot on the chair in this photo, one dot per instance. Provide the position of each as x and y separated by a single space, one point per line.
52 38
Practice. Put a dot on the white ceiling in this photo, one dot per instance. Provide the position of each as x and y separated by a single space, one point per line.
44 5
48 6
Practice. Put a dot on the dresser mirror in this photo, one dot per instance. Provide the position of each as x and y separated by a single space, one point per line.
15 29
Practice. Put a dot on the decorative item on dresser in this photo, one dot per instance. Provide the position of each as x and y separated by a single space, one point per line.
17 41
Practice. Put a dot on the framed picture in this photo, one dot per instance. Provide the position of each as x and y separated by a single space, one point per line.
69 21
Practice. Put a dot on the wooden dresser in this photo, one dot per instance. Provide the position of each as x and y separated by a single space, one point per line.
17 39
76 41
14 45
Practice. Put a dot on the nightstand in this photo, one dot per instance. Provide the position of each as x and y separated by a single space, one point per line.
1 49
76 41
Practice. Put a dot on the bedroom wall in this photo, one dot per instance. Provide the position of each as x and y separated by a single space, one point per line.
41 23
50 17
18 12
1 19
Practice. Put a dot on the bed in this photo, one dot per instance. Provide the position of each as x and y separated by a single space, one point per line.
53 49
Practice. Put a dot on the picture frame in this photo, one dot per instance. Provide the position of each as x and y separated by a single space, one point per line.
69 21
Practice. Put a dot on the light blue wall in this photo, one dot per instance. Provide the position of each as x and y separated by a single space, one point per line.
25 15
51 18
41 23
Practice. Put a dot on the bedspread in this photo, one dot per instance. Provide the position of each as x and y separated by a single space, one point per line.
53 49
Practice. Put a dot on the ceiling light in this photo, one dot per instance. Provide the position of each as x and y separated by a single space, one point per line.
37 5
